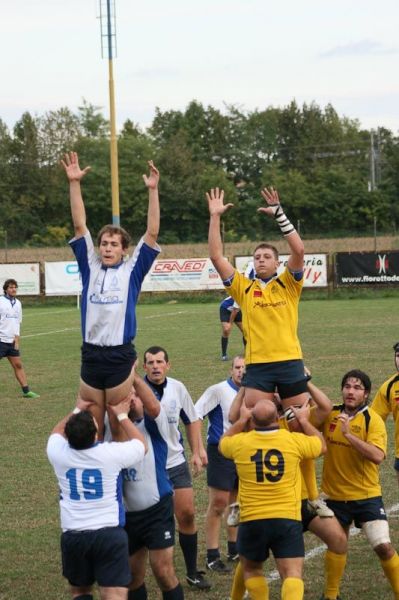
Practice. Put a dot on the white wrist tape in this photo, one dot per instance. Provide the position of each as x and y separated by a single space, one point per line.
283 222
76 411
122 416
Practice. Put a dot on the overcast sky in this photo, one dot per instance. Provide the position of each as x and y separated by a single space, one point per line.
250 53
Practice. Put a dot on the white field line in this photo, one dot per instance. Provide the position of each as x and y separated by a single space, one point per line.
29 335
319 549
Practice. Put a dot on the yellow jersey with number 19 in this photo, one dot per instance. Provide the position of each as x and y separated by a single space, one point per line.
267 463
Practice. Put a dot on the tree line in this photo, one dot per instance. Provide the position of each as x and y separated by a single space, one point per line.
321 164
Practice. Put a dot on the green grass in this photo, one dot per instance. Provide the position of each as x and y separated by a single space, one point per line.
336 335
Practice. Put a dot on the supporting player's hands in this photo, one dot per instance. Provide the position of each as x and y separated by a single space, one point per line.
152 179
215 199
72 168
196 464
272 200
122 407
84 404
301 413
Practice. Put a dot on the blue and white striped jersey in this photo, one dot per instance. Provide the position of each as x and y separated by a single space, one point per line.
110 294
147 482
215 403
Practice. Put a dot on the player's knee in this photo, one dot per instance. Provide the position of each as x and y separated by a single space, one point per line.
166 578
186 518
377 534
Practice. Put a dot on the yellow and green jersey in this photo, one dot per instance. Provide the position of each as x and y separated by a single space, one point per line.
386 401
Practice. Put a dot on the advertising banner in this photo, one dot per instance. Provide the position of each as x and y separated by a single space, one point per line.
184 274
367 268
26 275
315 271
62 278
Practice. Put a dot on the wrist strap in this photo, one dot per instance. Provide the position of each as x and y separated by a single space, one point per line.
283 222
76 411
122 416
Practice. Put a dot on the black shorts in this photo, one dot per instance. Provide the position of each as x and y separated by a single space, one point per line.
105 367
221 472
396 464
283 537
100 555
288 376
152 528
180 476
7 349
225 316
306 515
358 511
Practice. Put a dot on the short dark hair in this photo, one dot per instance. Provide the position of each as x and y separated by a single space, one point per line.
7 283
115 230
155 350
357 374
266 246
396 347
80 430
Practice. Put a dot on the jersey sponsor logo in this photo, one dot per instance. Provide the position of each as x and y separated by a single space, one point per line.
98 299
167 535
259 304
129 474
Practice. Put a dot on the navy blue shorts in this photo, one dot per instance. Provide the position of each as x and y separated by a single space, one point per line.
152 528
396 464
100 555
221 472
358 511
7 349
225 315
288 376
283 537
180 476
105 367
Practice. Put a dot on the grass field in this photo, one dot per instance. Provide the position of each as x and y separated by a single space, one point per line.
336 335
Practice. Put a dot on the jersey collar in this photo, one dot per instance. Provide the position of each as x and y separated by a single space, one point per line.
232 384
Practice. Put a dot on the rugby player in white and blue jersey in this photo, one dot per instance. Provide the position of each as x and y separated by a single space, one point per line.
178 404
148 499
222 479
111 286
94 544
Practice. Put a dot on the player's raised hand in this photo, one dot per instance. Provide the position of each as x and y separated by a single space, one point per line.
272 200
215 199
152 179
72 168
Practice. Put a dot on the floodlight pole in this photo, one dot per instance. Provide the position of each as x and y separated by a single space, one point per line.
108 34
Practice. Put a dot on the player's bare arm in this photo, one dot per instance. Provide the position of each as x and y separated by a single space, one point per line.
275 210
217 208
153 215
369 451
75 174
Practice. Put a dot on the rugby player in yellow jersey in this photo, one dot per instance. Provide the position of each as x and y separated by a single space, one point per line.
267 460
356 444
386 401
269 306
328 530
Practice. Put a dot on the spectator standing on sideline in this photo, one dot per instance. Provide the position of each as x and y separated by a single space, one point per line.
94 544
111 285
10 323
222 479
178 404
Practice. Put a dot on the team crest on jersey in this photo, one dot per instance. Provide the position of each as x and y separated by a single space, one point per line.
356 428
332 427
257 294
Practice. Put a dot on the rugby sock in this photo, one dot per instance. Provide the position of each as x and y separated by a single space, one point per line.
175 594
308 469
232 548
257 588
224 341
212 554
391 570
25 390
292 589
188 544
334 567
238 587
138 594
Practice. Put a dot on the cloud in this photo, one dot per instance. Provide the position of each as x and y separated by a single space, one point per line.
360 48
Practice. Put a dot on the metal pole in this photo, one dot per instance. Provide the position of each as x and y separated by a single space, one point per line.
113 140
375 234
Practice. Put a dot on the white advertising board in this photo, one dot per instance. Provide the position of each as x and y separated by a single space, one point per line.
62 278
184 274
26 275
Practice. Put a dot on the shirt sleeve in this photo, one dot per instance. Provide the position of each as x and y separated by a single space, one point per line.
55 445
142 260
377 433
381 403
127 453
227 445
207 402
309 445
83 249
188 413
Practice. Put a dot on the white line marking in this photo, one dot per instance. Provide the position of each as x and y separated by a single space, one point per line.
274 575
50 332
